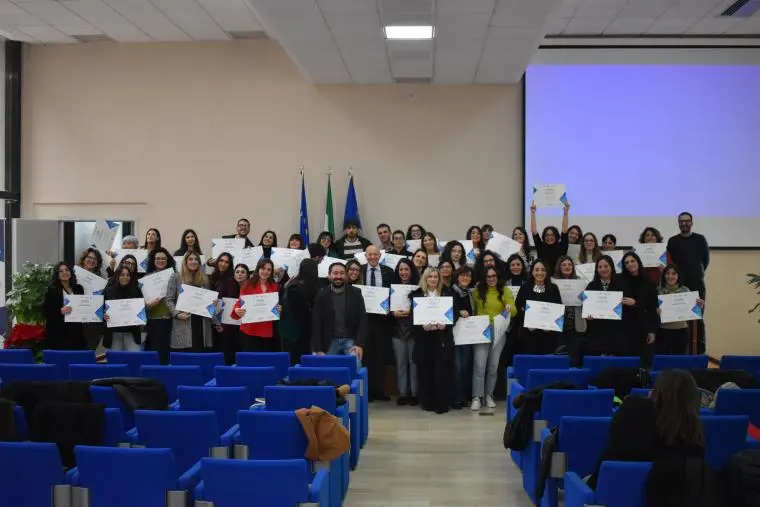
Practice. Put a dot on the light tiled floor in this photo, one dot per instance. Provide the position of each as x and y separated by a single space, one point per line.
418 459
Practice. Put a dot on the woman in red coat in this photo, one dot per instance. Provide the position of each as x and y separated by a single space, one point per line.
258 336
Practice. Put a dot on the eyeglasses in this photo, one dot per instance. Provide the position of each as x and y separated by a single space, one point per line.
91 258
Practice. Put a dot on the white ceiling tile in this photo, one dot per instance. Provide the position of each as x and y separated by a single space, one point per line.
55 14
147 17
628 26
645 8
462 26
555 26
670 26
713 26
192 19
750 26
76 30
348 6
586 26
46 34
110 22
690 9
12 33
407 12
465 6
508 32
231 15
608 12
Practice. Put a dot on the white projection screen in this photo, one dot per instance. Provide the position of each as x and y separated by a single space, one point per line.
637 143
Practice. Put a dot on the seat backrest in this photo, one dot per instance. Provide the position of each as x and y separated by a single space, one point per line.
206 360
20 372
290 398
641 392
275 483
544 377
621 484
345 361
280 360
725 435
750 364
524 363
124 477
739 402
113 428
338 376
255 378
16 356
29 472
173 377
681 362
86 372
224 401
583 439
591 403
134 360
598 364
64 358
189 434
272 435
111 399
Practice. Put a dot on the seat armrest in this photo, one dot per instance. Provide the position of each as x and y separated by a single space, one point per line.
577 492
211 383
133 437
199 493
341 413
72 476
191 478
230 436
545 433
319 488
174 405
539 425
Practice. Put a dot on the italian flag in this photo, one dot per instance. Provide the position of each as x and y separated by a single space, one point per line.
329 218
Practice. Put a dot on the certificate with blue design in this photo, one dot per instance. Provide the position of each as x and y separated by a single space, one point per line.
679 307
230 245
549 195
391 260
469 251
473 330
653 255
433 310
377 300
83 308
260 307
197 301
225 312
90 282
570 289
125 312
546 316
104 233
400 296
602 304
140 254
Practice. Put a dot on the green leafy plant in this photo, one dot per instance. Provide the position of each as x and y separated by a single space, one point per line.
24 301
754 281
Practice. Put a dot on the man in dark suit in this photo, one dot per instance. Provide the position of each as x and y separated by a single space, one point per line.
243 229
379 329
339 319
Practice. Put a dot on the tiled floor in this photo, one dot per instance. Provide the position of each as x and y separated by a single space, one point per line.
418 459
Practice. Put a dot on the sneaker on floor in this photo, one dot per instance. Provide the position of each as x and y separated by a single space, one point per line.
412 400
489 402
475 405
401 401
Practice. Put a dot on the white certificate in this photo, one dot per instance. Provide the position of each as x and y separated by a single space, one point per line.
140 254
288 259
90 282
413 244
602 304
249 256
229 245
197 301
546 316
514 289
501 323
323 269
550 195
391 260
126 312
154 285
570 290
103 234
469 251
473 330
83 308
178 262
400 296
377 300
362 257
617 258
679 307
586 271
434 260
502 245
260 307
653 255
226 312
574 252
433 310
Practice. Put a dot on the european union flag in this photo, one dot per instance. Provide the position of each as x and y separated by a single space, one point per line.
352 205
304 213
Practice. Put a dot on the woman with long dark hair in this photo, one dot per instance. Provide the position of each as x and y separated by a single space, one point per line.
188 243
267 242
488 259
574 235
430 244
520 235
590 251
152 239
159 325
258 336
463 301
402 333
517 271
59 334
609 243
537 288
574 326
327 240
652 235
640 318
91 260
475 235
454 252
222 280
295 242
550 244
415 231
605 337
420 261
124 286
299 301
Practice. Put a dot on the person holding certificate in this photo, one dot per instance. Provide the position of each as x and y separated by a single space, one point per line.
520 235
605 336
258 336
91 260
327 240
159 325
61 335
124 286
295 242
430 244
420 261
475 235
454 252
550 245
447 273
188 243
267 242
640 318
402 336
152 240
673 337
537 288
574 235
416 232
652 235
398 242
609 243
224 281
590 251
190 333
463 301
354 273
297 304
574 326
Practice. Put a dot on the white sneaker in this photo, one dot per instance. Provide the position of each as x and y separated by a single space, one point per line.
489 402
475 405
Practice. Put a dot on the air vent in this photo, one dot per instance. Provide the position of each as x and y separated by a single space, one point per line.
742 9
248 35
413 80
93 38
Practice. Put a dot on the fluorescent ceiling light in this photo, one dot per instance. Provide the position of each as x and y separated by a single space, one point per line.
425 32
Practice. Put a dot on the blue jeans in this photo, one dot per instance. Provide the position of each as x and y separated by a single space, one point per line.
340 346
462 373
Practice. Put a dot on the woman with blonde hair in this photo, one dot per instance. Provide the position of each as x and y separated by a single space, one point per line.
189 332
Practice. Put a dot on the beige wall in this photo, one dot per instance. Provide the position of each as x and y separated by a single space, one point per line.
196 135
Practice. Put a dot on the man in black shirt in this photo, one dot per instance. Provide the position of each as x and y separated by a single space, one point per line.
690 252
339 318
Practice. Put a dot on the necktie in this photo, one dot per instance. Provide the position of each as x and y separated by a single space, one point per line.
372 277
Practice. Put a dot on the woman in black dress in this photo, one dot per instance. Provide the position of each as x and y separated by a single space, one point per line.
537 288
550 245
59 334
299 300
605 337
640 316
225 336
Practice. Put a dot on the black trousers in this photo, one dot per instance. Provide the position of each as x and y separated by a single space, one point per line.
159 338
250 343
435 373
227 342
540 342
672 341
378 334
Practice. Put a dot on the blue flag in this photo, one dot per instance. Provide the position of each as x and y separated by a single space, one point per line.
352 205
304 213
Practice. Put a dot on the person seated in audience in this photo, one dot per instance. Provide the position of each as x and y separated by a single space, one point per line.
463 301
267 242
258 336
520 235
415 231
124 286
420 261
486 229
188 243
222 280
326 239
454 252
475 235
538 288
402 336
609 243
574 235
159 325
190 333
663 427
384 237
673 337
398 247
295 242
550 245
652 235
517 272
605 337
59 334
430 244
351 243
354 273
152 239
640 318
590 251
574 326
447 273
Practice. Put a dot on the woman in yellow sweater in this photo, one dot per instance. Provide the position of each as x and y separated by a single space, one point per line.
492 298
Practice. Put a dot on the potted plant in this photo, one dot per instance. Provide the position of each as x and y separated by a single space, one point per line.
754 281
24 304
